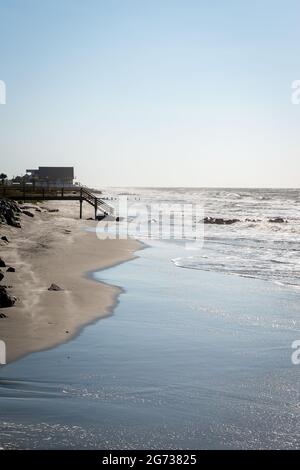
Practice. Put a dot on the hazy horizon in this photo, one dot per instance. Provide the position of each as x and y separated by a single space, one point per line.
152 94
291 188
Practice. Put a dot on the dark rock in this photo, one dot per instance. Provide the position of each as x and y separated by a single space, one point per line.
10 270
100 216
51 210
90 218
2 315
277 220
5 239
30 214
55 287
67 331
219 221
2 263
6 300
1 276
38 210
231 221
9 212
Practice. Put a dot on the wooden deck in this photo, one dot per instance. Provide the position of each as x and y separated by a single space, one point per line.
36 193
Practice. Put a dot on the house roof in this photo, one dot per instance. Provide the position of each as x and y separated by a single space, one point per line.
55 172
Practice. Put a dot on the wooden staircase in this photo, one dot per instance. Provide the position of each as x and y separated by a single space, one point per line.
96 202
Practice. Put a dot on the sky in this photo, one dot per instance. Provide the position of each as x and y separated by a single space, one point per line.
152 92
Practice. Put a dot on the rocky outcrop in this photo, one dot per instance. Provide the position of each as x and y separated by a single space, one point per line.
222 221
9 213
219 221
6 300
277 220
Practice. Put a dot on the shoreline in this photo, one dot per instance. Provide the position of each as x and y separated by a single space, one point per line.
56 248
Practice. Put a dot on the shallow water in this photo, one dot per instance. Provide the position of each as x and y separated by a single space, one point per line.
189 359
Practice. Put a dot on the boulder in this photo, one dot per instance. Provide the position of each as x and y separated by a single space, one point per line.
219 221
28 213
10 269
55 287
5 239
9 212
231 221
2 315
6 300
100 216
1 276
277 220
2 263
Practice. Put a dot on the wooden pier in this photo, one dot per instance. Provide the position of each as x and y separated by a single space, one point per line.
40 193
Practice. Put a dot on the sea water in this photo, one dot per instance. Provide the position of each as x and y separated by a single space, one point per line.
252 247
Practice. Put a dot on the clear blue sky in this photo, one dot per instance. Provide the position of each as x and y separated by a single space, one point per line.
152 93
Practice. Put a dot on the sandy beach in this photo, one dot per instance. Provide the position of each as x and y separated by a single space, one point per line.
55 247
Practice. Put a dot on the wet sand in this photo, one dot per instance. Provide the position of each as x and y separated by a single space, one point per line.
56 248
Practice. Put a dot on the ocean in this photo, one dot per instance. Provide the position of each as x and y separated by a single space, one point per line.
252 247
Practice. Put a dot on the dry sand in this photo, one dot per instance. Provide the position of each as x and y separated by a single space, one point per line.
56 248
